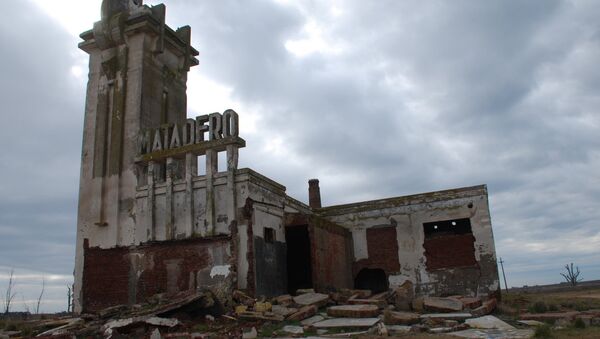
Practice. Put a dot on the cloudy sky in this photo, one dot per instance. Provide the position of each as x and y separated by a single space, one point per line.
374 98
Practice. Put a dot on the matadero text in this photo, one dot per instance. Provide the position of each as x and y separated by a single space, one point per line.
206 127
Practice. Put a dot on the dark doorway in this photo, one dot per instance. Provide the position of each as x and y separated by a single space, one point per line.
298 258
371 279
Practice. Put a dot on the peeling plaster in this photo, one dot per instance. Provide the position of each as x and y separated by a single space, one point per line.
223 270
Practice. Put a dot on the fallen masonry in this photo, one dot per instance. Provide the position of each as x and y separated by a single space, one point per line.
199 315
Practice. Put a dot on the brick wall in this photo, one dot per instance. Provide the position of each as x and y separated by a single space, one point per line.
129 275
382 246
331 255
450 251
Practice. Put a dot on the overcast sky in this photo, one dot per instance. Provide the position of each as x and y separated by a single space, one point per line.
375 98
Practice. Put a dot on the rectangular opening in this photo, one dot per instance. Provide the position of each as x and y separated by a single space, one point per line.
222 159
447 227
298 258
449 244
269 235
201 168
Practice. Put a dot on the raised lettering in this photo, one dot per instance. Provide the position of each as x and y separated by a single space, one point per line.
201 128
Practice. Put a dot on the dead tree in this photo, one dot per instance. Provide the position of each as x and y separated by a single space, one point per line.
39 301
572 275
69 298
10 293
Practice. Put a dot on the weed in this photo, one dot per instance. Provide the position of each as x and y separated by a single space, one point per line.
538 307
579 323
544 332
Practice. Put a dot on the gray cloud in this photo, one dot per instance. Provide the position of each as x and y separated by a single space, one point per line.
403 97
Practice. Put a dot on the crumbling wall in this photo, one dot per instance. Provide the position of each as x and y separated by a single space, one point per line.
331 254
128 275
416 256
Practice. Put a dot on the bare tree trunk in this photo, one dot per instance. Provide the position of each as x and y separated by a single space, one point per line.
39 301
69 299
10 294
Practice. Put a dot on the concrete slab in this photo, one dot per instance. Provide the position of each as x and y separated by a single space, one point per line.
308 299
456 315
530 322
488 322
442 304
293 329
347 322
493 334
353 311
400 318
312 320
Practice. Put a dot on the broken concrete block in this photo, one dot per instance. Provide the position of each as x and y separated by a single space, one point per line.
403 296
240 309
347 322
470 303
262 307
438 330
400 318
251 334
488 322
486 308
450 323
283 311
304 291
417 304
379 303
484 334
530 323
293 329
398 329
362 294
261 316
453 316
382 330
317 299
353 311
303 313
442 304
380 296
155 334
284 300
312 320
242 298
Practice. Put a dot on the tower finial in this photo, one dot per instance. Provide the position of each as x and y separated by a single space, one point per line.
111 7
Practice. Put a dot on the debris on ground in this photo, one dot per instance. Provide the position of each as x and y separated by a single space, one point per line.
306 313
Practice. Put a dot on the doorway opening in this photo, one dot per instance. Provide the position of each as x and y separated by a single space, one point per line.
298 258
371 279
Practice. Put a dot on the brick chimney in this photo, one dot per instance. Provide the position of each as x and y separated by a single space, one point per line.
314 193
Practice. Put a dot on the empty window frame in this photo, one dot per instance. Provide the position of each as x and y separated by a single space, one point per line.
269 235
447 227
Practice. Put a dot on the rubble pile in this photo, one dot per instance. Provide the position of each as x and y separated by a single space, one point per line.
307 313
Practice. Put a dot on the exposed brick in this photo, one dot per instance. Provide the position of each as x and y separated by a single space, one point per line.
383 251
111 275
450 251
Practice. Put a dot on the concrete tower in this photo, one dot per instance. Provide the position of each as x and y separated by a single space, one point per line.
137 80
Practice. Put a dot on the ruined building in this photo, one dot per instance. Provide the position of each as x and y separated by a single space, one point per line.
149 223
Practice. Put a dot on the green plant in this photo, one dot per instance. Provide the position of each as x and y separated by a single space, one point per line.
579 323
544 331
552 308
538 307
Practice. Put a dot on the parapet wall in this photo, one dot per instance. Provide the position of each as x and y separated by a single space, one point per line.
399 225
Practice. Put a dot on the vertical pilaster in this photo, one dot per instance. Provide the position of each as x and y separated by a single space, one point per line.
169 225
212 167
151 232
232 164
190 170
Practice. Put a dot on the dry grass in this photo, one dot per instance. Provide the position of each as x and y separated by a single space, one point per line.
555 301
